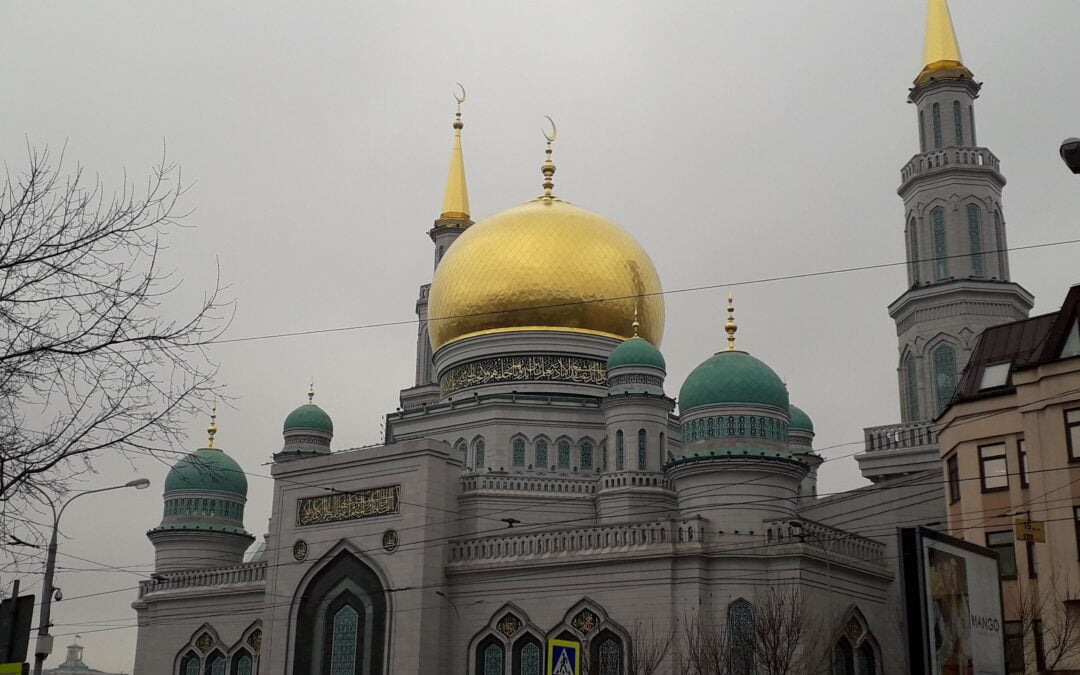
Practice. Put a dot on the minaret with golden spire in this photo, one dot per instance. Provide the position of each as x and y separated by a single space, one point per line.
941 52
456 198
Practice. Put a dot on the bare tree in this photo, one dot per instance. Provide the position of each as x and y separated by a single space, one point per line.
89 358
786 639
1049 615
648 648
707 649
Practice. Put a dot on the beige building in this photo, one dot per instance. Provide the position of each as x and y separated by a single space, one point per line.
1010 447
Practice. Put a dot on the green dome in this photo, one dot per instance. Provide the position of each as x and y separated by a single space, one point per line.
309 416
800 421
207 469
732 378
636 351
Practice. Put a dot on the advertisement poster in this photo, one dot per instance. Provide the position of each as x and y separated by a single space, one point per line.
963 602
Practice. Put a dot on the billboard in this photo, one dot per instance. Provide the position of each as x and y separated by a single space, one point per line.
952 605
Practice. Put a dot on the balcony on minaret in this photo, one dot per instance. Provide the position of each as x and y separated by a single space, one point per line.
956 157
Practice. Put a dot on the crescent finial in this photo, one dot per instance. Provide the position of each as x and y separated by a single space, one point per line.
554 130
460 99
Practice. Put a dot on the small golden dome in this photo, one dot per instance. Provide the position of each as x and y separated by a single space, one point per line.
545 265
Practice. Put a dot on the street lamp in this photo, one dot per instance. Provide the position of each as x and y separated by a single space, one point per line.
44 641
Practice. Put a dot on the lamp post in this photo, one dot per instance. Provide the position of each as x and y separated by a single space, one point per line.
44 641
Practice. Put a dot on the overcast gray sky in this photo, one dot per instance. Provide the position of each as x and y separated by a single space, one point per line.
735 140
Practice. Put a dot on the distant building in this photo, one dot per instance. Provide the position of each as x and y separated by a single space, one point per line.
74 665
1010 445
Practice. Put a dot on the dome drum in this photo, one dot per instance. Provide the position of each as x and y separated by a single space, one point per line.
725 427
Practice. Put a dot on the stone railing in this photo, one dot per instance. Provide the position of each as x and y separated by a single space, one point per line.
910 436
635 479
949 157
628 537
220 576
831 540
532 484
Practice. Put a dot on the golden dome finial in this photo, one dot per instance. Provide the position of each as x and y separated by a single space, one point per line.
211 430
731 327
311 392
456 198
636 324
548 167
941 51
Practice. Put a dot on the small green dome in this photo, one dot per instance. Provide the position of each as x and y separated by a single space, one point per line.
800 421
309 416
636 351
732 378
207 469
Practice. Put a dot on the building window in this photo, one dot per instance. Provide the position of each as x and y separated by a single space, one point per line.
741 637
843 658
993 467
1072 432
541 453
958 118
944 375
1002 542
975 239
620 459
1021 449
922 132
528 657
1076 521
971 118
941 247
938 141
343 645
478 453
1071 347
999 234
215 665
490 657
995 375
911 386
642 456
564 455
866 660
519 451
606 651
1014 646
242 664
913 237
190 664
952 466
1032 561
586 456
663 446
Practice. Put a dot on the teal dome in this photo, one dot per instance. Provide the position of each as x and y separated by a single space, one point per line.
732 378
800 421
207 469
636 351
309 416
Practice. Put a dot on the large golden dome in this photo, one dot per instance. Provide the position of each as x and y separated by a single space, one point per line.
545 265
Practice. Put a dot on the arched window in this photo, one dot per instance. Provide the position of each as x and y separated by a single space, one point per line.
342 621
564 454
242 663
843 658
958 118
922 132
663 446
938 142
463 450
528 656
478 453
586 456
603 450
620 459
189 665
975 237
971 117
490 657
541 453
215 664
741 637
519 451
866 660
999 244
607 653
642 455
941 247
913 236
944 375
911 388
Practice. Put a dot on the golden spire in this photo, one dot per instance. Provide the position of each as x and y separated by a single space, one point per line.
548 167
635 325
311 393
941 52
456 200
211 430
731 327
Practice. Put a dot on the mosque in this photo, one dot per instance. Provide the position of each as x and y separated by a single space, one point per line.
539 481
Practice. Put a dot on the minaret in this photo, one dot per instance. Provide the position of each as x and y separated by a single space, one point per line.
453 220
958 265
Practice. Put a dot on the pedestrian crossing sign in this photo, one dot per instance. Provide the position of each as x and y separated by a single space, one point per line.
563 657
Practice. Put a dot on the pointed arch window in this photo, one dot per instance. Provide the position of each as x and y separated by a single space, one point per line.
913 236
528 656
911 388
343 645
564 454
971 117
541 454
741 637
620 459
607 653
843 658
463 450
938 140
922 131
663 446
519 452
586 456
944 375
941 248
958 119
190 664
975 237
242 663
479 452
642 451
999 244
490 657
